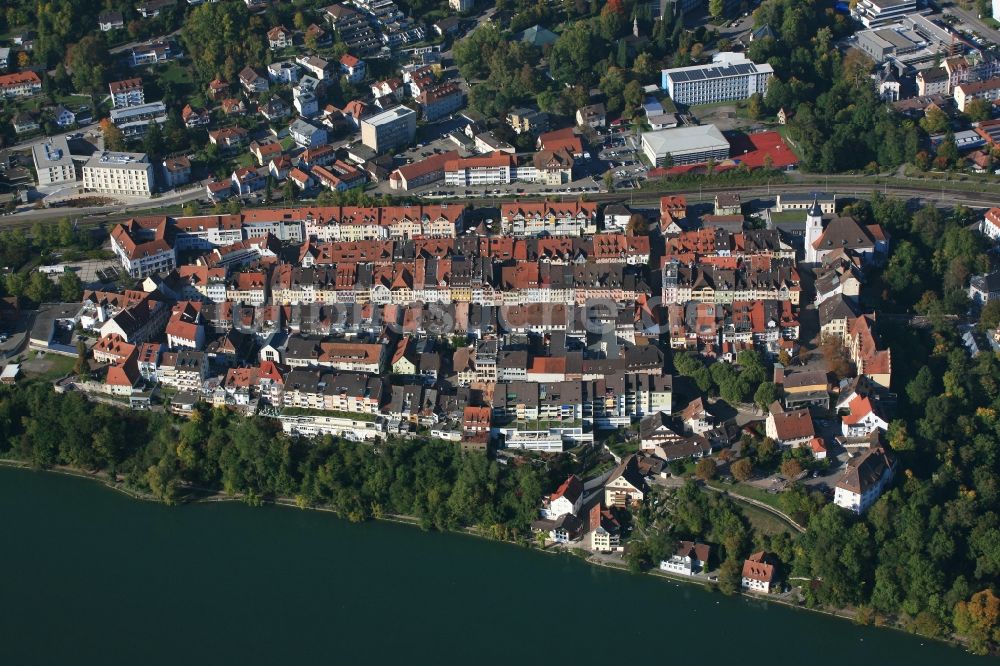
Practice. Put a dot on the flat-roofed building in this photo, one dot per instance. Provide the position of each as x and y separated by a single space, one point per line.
129 174
390 129
133 121
876 13
685 145
731 76
53 162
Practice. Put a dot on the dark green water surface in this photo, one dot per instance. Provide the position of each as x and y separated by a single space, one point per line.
89 576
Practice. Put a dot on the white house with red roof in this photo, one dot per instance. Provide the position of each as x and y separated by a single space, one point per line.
792 428
566 499
123 376
186 329
758 573
691 558
353 68
990 226
865 416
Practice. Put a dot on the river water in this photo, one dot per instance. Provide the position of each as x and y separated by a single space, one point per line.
89 576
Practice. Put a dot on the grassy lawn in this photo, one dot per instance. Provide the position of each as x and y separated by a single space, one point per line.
747 490
173 72
624 448
764 521
789 216
47 368
246 160
287 143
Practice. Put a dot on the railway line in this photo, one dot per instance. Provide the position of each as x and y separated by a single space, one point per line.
927 193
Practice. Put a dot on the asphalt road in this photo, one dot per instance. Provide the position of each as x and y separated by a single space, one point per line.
971 18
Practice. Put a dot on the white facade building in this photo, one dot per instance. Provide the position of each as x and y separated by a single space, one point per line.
876 13
53 162
731 76
865 479
128 174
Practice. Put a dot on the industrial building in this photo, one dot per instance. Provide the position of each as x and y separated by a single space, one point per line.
685 145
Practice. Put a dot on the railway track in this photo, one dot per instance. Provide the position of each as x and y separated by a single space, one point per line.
925 193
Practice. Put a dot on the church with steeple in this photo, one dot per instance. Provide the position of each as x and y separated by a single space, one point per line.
842 234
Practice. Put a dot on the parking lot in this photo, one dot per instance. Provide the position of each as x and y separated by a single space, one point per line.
620 154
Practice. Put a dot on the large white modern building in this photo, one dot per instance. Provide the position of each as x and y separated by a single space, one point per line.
129 174
876 13
691 144
390 129
731 76
53 162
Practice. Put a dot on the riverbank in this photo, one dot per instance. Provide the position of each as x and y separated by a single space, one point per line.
136 582
284 502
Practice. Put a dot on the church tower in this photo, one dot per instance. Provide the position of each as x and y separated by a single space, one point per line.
814 229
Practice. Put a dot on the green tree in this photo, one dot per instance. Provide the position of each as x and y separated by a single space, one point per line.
217 33
152 143
39 288
989 318
574 54
87 60
730 575
82 368
978 110
70 287
766 394
65 233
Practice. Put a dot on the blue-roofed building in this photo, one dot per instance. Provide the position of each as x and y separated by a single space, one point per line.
536 35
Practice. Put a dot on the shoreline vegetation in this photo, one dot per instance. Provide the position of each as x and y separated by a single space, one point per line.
412 521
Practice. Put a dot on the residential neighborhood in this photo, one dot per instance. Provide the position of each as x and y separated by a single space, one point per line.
708 291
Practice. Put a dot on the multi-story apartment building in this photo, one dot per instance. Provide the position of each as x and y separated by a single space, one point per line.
127 174
53 163
142 247
133 121
185 370
390 129
552 218
20 84
127 93
495 168
731 76
440 100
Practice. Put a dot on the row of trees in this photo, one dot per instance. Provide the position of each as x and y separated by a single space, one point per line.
219 450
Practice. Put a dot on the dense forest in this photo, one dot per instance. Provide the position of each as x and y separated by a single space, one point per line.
218 450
